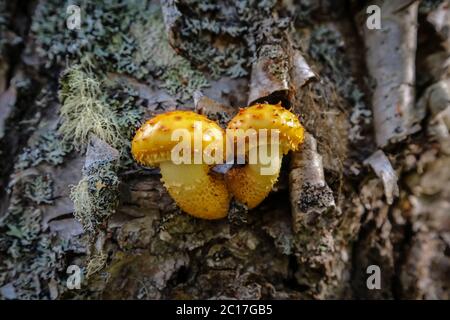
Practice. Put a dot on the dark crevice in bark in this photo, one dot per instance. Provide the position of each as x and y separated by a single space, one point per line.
402 250
14 140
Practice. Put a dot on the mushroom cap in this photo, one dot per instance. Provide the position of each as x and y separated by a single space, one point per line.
153 143
269 116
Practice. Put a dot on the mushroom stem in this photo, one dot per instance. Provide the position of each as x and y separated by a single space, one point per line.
253 177
192 184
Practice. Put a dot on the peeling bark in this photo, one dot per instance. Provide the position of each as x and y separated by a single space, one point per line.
383 169
270 75
393 48
327 219
309 193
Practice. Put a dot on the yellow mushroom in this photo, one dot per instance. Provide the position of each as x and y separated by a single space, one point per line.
194 188
248 183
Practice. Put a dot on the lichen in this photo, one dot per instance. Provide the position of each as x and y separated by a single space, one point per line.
90 106
426 6
102 36
4 18
95 264
327 46
204 25
83 112
40 189
31 258
161 61
48 148
95 197
278 67
122 37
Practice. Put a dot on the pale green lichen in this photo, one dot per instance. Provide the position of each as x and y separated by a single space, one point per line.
48 148
31 258
27 223
123 37
327 45
4 19
83 111
278 67
90 106
96 263
204 25
160 59
95 197
103 35
40 189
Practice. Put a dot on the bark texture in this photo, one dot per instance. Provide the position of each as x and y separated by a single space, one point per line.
370 185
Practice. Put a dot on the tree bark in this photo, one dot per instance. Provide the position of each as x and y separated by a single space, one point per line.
369 187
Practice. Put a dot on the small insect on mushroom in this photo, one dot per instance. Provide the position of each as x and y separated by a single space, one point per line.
250 184
190 183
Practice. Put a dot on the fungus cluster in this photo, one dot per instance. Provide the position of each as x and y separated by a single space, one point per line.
198 190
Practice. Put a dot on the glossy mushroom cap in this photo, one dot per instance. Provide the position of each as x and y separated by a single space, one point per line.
153 143
269 116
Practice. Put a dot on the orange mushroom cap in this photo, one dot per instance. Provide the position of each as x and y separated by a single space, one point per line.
153 143
269 116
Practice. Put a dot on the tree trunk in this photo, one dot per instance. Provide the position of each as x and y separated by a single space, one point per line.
361 211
